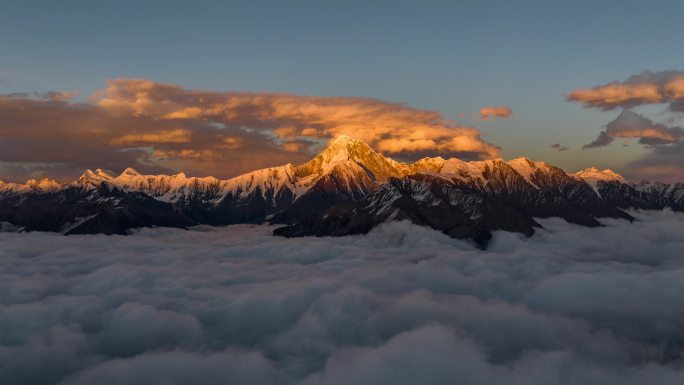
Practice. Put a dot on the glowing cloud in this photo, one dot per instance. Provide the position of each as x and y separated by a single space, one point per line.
393 127
496 112
173 136
157 127
645 88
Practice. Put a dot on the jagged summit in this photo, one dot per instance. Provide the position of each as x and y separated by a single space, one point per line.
90 177
596 174
130 171
593 176
345 148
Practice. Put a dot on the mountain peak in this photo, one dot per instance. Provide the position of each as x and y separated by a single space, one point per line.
345 148
130 171
43 184
596 173
93 178
97 174
346 142
592 175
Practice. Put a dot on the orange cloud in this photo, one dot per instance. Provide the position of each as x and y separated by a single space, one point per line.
231 143
645 88
615 94
35 144
311 132
392 127
173 136
495 112
157 127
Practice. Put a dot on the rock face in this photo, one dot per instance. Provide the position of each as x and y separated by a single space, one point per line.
346 189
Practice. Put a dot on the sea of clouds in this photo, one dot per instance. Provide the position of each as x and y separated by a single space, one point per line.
402 305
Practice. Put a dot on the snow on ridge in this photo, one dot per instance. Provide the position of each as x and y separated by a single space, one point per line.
604 175
592 176
526 168
275 178
344 156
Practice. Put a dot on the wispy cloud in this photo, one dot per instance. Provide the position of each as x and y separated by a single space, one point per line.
558 147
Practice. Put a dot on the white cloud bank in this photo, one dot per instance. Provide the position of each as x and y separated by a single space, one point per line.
404 305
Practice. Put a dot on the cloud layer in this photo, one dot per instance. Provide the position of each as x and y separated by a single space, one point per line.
154 126
390 127
402 305
645 88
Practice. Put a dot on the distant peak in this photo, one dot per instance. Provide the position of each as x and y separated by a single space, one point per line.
43 183
94 178
595 173
130 171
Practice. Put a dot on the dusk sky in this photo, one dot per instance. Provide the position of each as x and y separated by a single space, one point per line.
220 88
341 192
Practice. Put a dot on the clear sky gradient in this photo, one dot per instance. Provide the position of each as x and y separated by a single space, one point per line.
451 56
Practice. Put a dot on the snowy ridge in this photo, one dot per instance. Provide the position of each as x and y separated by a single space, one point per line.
592 176
166 188
36 185
469 172
527 168
346 189
94 178
352 163
273 178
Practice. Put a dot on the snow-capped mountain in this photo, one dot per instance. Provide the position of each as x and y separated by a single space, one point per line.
347 188
593 176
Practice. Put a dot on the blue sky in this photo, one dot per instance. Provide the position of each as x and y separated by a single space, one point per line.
449 56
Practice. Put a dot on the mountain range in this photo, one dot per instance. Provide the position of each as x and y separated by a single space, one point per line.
348 188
